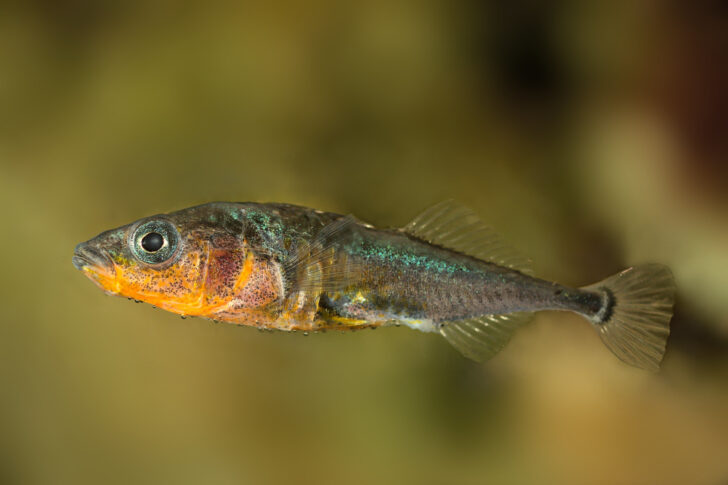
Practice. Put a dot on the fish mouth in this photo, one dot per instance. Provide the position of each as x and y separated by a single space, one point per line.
94 263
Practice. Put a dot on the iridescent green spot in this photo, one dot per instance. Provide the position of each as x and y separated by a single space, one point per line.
391 255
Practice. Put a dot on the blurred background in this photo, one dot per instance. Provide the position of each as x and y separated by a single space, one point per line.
593 135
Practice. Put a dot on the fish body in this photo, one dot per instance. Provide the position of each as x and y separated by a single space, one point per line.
287 267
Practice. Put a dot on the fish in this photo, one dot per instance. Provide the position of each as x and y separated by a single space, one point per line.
291 268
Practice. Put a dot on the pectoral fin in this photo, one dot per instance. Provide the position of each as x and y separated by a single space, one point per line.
318 267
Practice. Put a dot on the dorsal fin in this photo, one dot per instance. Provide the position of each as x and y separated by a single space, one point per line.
456 227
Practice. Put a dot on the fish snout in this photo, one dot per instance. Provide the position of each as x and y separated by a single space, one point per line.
86 256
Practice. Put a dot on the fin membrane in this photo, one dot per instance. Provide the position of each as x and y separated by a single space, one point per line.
635 321
317 267
481 338
451 225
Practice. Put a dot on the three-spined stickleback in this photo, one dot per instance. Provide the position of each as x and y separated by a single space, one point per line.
286 267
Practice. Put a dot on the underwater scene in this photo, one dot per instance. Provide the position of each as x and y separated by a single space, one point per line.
590 136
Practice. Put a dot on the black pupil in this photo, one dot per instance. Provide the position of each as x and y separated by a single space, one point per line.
152 242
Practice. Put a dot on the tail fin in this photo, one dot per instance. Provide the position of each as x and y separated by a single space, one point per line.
634 321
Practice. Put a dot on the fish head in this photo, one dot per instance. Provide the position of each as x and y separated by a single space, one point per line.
169 260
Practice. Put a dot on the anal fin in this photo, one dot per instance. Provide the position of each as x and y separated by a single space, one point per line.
481 338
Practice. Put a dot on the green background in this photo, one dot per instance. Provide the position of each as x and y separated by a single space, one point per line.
592 135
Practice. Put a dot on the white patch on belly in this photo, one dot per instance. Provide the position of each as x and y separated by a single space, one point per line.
424 325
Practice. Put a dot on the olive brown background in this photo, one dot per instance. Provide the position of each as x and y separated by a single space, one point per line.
593 135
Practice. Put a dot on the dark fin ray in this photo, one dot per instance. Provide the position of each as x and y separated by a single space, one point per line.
453 226
481 338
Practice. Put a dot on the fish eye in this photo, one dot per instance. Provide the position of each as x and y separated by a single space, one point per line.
152 242
155 241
